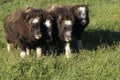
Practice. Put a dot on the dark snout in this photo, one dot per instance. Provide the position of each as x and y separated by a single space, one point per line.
83 21
37 34
68 38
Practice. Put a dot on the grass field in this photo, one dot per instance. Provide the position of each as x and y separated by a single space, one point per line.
99 60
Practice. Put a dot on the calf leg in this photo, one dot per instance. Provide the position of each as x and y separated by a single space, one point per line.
27 51
22 53
67 50
39 52
9 46
22 48
59 46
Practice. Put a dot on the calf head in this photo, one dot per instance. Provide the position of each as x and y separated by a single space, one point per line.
35 29
81 13
34 18
49 22
65 24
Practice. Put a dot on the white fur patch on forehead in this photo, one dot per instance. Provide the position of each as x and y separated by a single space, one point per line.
82 9
68 22
48 23
68 33
35 20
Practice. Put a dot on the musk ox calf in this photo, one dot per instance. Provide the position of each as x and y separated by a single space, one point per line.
81 15
63 22
51 24
25 28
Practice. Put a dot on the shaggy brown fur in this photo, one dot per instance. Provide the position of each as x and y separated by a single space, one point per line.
79 26
20 29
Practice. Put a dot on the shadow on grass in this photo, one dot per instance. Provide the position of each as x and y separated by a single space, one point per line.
94 38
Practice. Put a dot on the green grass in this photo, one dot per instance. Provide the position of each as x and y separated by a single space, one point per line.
100 59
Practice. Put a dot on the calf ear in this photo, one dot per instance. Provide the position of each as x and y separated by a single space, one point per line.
74 9
27 12
28 9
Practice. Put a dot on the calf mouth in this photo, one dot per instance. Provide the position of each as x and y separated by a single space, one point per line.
83 22
38 36
67 39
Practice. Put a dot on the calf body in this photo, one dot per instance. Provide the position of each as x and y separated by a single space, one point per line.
81 16
24 27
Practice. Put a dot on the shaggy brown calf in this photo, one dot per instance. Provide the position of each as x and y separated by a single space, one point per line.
81 15
25 28
51 24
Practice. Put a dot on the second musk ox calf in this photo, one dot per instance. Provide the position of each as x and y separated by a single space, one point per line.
50 21
64 23
81 14
25 28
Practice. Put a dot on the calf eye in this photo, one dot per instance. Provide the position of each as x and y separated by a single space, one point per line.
34 26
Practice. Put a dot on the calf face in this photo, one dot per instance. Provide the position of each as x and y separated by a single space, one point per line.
35 27
65 27
49 21
81 12
34 17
